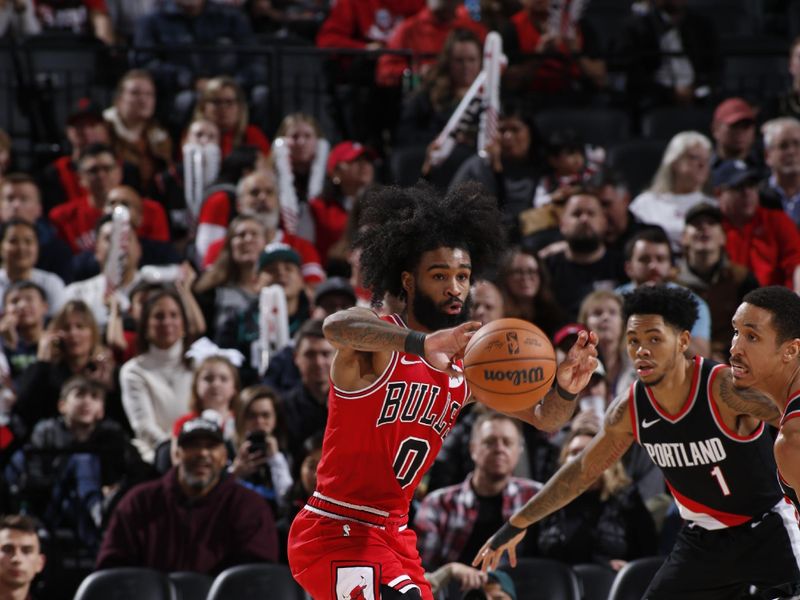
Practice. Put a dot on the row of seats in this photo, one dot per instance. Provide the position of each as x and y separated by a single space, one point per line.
244 582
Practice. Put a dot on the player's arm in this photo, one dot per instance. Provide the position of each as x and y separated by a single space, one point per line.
787 452
568 483
745 401
573 374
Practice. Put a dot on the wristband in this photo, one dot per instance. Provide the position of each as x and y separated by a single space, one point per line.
569 396
504 534
415 343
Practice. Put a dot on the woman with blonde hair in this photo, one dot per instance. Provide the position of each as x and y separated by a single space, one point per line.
299 157
677 186
223 102
608 524
601 312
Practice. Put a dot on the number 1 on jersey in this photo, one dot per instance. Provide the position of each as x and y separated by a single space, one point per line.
716 473
409 459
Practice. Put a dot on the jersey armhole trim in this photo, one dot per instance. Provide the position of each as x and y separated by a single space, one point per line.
366 391
632 411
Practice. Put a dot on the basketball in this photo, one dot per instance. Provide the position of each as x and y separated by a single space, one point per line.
509 364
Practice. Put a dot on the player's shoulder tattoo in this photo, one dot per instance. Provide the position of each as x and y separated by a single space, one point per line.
749 401
617 410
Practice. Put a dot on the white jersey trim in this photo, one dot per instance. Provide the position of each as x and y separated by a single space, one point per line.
366 391
368 509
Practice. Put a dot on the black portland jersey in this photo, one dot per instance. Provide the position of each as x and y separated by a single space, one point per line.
792 412
717 477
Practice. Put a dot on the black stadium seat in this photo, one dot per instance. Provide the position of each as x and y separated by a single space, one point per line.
126 583
633 579
664 122
597 126
544 579
190 586
596 580
637 162
255 582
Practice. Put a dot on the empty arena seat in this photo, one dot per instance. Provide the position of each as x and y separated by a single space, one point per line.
637 162
126 583
190 586
633 579
255 582
544 579
597 126
596 580
665 121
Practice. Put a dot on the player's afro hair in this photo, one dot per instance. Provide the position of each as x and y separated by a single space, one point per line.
675 304
400 224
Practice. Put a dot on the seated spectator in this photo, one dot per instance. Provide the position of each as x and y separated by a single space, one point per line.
299 157
608 524
568 168
156 385
279 265
18 20
77 461
487 302
257 197
306 406
452 522
305 480
83 17
764 240
350 172
427 110
424 34
22 326
193 518
706 270
365 25
124 14
215 386
20 199
100 174
527 290
137 137
782 153
615 197
95 291
733 128
195 23
586 264
261 462
648 261
19 252
560 71
21 556
512 169
677 185
672 53
61 180
69 346
601 312
222 101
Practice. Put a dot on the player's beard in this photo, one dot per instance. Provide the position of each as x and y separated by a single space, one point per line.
432 315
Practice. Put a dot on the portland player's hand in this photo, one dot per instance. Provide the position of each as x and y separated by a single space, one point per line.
488 557
446 345
576 369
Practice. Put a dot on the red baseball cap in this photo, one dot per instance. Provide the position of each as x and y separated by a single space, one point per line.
347 151
565 334
733 110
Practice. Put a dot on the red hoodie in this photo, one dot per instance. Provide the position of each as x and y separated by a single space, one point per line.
356 23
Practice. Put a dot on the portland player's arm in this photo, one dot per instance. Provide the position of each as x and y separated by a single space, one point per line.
787 452
573 374
364 345
740 402
568 483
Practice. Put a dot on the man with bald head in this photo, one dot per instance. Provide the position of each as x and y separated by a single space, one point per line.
20 199
586 264
256 195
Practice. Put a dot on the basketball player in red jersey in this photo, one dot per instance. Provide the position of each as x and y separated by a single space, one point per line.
765 353
396 389
710 441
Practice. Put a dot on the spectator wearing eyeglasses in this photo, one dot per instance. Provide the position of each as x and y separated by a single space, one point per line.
782 153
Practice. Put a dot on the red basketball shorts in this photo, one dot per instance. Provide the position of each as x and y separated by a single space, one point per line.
341 559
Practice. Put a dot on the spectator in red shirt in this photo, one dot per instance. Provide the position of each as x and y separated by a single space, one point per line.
424 34
527 35
78 16
223 103
764 240
364 24
100 173
350 171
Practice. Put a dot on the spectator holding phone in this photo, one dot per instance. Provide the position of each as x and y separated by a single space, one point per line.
260 463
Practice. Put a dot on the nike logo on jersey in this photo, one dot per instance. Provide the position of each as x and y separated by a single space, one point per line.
405 361
646 423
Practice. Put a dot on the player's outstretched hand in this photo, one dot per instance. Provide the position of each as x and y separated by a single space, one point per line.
446 345
576 369
490 554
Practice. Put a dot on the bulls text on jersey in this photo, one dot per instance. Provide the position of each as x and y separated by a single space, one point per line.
413 402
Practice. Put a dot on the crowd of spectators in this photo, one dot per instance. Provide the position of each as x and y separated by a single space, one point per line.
164 278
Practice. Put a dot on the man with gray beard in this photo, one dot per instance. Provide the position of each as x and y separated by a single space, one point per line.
194 518
586 264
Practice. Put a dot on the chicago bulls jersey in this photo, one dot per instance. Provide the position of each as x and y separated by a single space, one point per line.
380 440
718 478
792 411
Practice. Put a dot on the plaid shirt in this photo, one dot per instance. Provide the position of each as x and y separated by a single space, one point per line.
445 518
